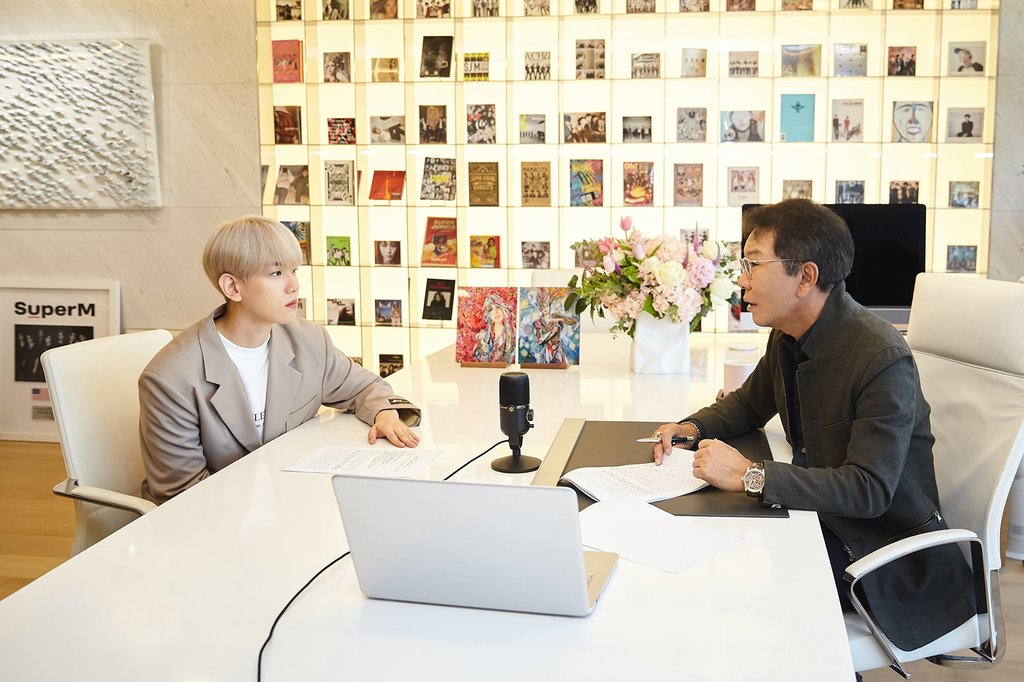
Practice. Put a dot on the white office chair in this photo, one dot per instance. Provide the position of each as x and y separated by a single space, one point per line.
95 396
966 336
560 278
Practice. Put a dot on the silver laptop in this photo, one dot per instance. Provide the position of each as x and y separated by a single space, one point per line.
505 547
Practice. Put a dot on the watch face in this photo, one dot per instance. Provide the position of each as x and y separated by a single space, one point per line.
753 480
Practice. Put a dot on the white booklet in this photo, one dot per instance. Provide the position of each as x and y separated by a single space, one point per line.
368 460
639 482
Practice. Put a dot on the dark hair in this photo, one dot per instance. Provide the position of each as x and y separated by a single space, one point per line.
806 232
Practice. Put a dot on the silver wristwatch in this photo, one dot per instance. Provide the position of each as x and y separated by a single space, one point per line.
753 480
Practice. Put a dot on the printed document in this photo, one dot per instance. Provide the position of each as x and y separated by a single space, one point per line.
366 461
639 482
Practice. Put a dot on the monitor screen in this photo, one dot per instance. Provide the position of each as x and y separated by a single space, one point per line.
889 252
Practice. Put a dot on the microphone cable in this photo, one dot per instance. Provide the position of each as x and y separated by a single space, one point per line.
259 659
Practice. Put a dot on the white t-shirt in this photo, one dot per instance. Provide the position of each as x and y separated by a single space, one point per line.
252 365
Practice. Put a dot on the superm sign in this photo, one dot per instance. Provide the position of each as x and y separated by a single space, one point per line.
41 311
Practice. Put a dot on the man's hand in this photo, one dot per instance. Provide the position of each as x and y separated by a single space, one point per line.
665 433
388 425
720 465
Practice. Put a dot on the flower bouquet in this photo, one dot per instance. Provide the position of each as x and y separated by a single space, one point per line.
661 275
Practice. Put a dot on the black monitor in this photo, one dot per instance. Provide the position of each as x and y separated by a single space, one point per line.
889 252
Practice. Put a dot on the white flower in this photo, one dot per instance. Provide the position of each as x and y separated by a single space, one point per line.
670 273
710 250
721 289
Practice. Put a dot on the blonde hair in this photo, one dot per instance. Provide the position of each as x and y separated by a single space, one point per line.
247 245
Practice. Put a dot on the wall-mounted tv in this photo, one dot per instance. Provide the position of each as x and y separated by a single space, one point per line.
889 252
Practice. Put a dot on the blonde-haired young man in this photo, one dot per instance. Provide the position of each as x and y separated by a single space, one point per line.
251 370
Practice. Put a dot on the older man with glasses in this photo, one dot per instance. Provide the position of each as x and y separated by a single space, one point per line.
847 390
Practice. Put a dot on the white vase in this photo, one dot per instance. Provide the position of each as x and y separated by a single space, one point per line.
660 346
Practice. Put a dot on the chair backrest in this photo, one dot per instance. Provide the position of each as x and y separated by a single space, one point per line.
95 396
560 278
967 335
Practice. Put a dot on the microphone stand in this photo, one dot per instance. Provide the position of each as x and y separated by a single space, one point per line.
516 463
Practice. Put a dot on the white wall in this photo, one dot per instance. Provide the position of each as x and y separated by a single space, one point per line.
203 55
1006 239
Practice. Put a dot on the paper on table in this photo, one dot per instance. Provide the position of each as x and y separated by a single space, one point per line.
639 482
647 535
367 461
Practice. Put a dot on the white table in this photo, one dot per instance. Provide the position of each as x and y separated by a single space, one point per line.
189 591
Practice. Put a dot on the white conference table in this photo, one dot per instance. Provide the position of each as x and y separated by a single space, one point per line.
189 591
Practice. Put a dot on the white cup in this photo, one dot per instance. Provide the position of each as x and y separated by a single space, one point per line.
736 372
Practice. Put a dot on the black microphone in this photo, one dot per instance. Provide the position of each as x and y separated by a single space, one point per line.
516 419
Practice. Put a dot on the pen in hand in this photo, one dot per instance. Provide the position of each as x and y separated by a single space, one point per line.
676 440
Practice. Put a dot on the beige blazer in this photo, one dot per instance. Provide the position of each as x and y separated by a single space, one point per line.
194 416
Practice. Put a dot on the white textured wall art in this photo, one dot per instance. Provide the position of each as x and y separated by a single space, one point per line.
76 125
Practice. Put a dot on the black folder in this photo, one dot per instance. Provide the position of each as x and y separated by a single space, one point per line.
604 443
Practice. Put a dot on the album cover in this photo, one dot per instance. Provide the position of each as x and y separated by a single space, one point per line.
438 179
851 59
300 228
288 124
31 341
486 331
584 127
961 258
292 185
439 242
338 250
902 60
387 185
855 4
963 4
742 186
438 299
531 128
638 183
300 308
264 174
335 10
967 59
742 126
383 9
288 10
908 4
387 312
387 130
536 255
481 124
483 183
337 67
640 6
740 5
691 124
433 9
586 6
965 125
476 66
636 129
536 183
743 64
903 191
433 124
538 66
797 5
911 121
536 8
387 252
435 61
964 193
695 62
688 184
287 56
484 251
586 182
341 131
384 69
801 61
548 333
341 311
390 363
646 64
797 189
847 120
849 191
694 5
797 118
339 185
589 58
485 8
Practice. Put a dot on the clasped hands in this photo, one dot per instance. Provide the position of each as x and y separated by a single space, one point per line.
389 425
716 462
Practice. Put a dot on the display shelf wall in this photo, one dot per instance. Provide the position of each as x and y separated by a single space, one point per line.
647 66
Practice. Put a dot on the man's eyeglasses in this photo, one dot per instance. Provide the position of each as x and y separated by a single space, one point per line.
747 264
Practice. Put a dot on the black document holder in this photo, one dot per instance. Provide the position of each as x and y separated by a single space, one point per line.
604 443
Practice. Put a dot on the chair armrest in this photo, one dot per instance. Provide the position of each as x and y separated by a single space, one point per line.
102 496
901 548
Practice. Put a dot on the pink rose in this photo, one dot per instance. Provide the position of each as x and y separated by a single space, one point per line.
605 244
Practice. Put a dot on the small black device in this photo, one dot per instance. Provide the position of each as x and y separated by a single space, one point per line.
516 419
